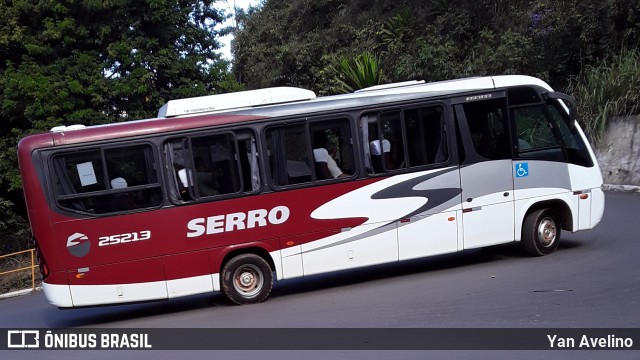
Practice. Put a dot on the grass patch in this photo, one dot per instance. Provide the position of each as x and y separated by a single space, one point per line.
609 89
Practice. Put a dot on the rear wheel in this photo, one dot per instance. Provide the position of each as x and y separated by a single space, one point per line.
541 232
247 279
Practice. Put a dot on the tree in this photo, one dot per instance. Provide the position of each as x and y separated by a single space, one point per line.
91 62
289 43
301 43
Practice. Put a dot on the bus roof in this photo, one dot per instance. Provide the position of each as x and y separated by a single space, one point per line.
300 102
236 100
268 103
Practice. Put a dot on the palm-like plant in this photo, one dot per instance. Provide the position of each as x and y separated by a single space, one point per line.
358 73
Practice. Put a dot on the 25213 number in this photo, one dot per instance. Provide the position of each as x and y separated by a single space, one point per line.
124 238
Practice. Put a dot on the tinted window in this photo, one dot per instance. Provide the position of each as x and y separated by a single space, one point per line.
533 129
289 158
405 138
576 148
107 180
536 137
487 122
314 151
213 165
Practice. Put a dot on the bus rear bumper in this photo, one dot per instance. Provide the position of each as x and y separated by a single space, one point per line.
597 206
58 295
70 296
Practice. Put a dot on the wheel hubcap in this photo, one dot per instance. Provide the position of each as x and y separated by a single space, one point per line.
547 232
248 281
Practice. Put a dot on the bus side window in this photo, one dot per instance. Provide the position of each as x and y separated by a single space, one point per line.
136 167
289 158
180 175
426 140
76 174
304 152
210 165
406 138
488 127
216 168
392 156
249 164
332 149
384 144
535 136
111 180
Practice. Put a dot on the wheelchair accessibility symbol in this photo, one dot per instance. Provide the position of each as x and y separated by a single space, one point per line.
522 170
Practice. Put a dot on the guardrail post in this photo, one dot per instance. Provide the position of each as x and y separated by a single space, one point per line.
32 267
33 270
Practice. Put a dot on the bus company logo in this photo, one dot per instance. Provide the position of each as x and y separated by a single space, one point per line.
479 97
237 221
78 244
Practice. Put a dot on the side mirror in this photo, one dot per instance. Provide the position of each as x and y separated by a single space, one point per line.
568 99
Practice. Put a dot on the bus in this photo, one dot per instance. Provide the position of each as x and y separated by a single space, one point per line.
229 193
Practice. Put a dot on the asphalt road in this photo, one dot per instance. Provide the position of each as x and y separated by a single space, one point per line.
592 281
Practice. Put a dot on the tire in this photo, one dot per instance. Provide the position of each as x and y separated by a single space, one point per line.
247 279
541 232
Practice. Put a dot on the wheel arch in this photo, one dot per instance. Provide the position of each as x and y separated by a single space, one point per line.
255 250
559 207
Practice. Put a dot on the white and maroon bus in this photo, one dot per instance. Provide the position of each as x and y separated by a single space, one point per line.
226 192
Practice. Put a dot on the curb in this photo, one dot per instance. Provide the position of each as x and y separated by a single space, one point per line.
622 188
19 293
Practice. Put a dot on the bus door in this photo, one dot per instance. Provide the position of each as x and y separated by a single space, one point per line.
485 169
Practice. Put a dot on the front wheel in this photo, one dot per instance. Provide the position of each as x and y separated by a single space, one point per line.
541 232
247 279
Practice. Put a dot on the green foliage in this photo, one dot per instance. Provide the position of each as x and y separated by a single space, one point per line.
358 73
611 88
93 62
298 43
14 230
301 43
397 28
506 53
